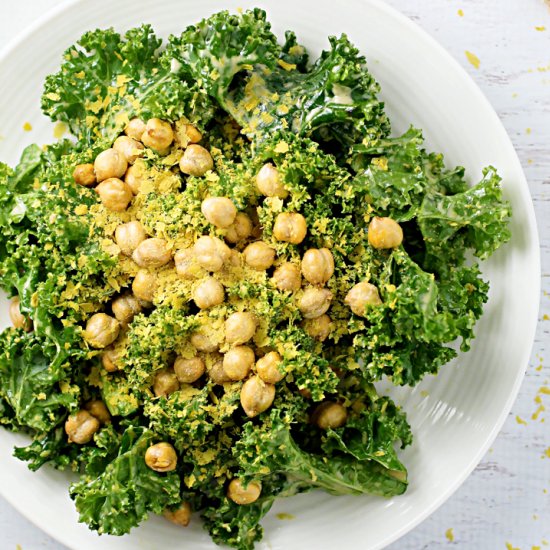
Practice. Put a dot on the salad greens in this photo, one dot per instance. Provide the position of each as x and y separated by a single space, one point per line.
322 125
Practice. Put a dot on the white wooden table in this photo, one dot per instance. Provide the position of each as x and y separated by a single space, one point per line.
506 502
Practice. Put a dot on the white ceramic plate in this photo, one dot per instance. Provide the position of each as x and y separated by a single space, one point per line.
464 407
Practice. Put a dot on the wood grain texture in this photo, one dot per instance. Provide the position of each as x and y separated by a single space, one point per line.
506 501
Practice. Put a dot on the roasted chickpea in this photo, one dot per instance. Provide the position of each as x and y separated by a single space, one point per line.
290 227
268 182
238 362
219 211
130 148
216 372
208 293
152 253
187 133
189 370
18 320
110 164
97 408
268 368
84 175
180 516
240 327
158 135
317 266
161 457
125 307
186 265
256 396
81 427
109 359
384 233
101 330
196 161
330 415
319 327
135 128
144 285
129 236
166 382
114 194
211 253
361 297
259 255
314 302
239 494
135 176
288 277
201 342
240 229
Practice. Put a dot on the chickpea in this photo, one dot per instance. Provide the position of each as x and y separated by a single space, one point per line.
125 307
101 330
319 327
216 372
238 362
81 427
109 359
115 194
84 175
145 285
196 161
97 408
384 233
288 277
330 415
317 266
290 227
186 265
211 253
268 182
166 382
18 320
189 370
314 302
256 396
219 211
240 229
129 148
187 133
158 135
208 293
268 368
180 516
239 494
161 457
361 297
129 236
201 342
240 327
152 253
110 164
259 255
135 128
135 175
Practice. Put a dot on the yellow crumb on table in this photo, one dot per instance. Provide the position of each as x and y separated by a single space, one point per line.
473 59
27 126
283 516
509 546
547 453
460 13
449 535
520 420
545 317
528 131
542 28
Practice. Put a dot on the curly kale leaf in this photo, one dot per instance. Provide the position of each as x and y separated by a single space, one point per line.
127 490
271 449
106 79
476 218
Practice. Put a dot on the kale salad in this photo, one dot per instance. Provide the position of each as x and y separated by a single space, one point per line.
210 276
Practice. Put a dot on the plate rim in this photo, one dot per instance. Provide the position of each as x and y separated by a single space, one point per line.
532 242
